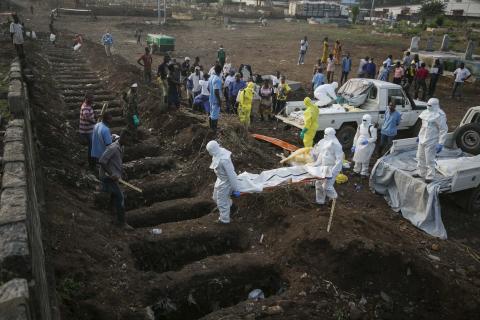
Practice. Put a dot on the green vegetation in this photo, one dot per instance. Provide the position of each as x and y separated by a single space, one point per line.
432 8
69 288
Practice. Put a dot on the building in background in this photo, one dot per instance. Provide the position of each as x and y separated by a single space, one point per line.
315 9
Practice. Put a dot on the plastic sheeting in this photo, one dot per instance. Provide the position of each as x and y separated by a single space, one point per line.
251 182
392 177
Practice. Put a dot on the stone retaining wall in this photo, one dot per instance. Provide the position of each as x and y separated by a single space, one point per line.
24 291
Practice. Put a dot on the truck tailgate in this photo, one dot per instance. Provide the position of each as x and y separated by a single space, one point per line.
289 121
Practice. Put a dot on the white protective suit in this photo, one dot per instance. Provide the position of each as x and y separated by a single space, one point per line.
363 152
226 179
432 134
328 154
325 94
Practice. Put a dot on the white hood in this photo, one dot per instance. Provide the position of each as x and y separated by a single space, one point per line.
218 153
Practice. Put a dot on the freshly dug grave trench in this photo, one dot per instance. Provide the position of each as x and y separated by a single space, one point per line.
170 253
402 285
153 191
169 211
140 168
219 283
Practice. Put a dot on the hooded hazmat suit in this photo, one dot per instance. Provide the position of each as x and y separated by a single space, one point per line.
431 138
245 104
364 145
226 182
325 94
310 119
328 154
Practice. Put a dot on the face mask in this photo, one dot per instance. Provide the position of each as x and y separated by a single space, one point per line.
429 108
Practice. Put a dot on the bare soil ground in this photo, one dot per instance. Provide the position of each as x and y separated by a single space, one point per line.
373 265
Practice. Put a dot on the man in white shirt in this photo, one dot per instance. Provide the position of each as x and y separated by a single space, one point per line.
461 74
194 83
303 50
16 33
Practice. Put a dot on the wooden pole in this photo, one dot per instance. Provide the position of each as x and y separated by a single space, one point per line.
331 215
131 186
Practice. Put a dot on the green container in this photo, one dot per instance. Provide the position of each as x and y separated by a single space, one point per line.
161 43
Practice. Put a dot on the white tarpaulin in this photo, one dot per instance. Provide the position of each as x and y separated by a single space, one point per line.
417 201
251 182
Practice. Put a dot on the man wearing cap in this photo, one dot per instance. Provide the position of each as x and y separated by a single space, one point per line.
146 61
110 173
130 110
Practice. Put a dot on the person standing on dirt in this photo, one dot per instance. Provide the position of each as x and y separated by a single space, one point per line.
111 163
303 50
461 75
364 145
162 74
283 91
215 89
310 120
87 123
389 127
407 60
325 51
138 36
226 185
245 99
398 73
346 68
318 78
185 71
146 62
194 80
234 88
337 52
130 111
361 72
266 94
107 41
421 81
226 88
16 33
435 73
101 136
196 63
371 69
327 155
173 87
221 55
330 68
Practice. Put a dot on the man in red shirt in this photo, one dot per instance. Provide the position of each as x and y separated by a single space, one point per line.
146 62
421 81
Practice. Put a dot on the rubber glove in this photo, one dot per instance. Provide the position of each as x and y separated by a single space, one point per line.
236 194
338 100
329 178
439 147
364 142
353 149
302 133
418 139
136 121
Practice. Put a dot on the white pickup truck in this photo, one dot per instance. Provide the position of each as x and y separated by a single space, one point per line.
362 96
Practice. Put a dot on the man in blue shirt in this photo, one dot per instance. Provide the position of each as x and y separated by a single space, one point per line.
107 41
389 127
371 69
215 99
318 79
101 136
233 88
346 68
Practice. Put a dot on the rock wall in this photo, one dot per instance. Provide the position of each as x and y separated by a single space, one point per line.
24 290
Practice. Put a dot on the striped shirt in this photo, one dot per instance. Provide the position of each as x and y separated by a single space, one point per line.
87 119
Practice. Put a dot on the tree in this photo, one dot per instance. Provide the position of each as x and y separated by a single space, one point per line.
355 13
431 8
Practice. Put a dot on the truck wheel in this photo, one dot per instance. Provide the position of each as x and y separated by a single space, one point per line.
345 135
468 138
415 130
473 203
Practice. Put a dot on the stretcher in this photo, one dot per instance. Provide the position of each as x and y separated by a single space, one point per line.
276 142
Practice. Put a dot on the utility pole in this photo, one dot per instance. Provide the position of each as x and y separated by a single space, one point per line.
371 11
164 11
